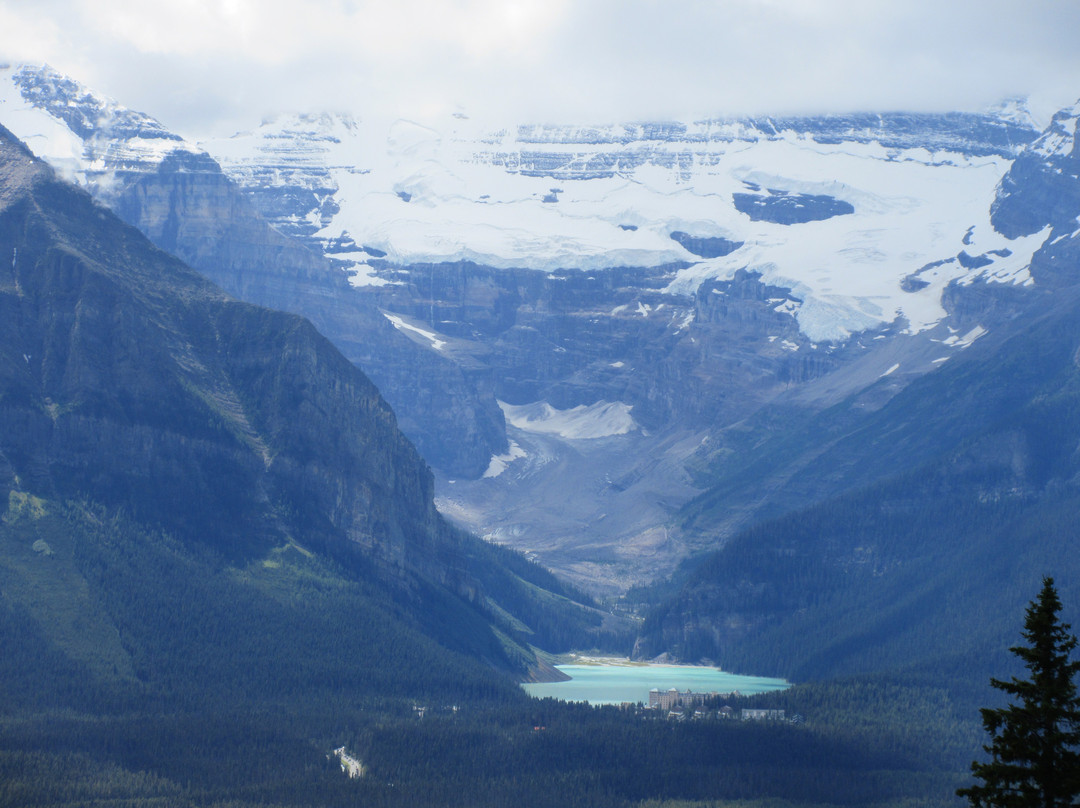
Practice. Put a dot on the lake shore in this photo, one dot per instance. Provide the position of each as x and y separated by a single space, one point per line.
614 680
588 659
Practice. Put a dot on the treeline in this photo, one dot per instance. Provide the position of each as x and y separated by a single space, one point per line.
151 675
928 572
135 620
139 670
540 753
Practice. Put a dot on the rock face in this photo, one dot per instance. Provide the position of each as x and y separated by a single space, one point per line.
572 338
1041 187
783 207
189 208
1042 191
132 380
949 502
956 490
177 195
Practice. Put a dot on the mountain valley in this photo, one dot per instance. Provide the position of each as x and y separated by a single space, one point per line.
220 561
682 285
795 395
135 387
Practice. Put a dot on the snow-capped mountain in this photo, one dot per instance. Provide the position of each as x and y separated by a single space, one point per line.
87 138
1041 188
178 196
838 209
614 300
680 275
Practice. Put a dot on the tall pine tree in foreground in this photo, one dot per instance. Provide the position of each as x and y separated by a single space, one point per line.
1034 755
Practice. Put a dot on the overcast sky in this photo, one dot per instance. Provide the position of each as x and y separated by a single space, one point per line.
215 66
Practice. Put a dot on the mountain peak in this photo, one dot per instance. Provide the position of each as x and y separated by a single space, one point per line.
18 165
86 136
86 113
1016 110
1060 137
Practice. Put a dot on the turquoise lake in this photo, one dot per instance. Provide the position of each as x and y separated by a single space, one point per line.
614 683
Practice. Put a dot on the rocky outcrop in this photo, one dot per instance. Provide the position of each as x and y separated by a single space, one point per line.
1041 187
573 338
782 207
1003 131
559 152
1042 190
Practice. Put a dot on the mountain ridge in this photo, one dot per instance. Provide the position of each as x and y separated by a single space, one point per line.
177 195
932 517
133 384
765 290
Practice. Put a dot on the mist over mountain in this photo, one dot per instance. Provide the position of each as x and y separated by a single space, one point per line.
582 328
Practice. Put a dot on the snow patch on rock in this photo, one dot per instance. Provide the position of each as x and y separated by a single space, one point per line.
499 463
400 324
604 419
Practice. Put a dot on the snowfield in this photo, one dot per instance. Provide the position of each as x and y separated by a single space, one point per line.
512 198
604 419
897 223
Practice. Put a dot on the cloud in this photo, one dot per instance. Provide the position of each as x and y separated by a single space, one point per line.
202 65
271 32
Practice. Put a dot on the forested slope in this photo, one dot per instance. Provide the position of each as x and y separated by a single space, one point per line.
131 388
927 568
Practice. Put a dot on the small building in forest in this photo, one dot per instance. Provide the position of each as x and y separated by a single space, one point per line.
748 714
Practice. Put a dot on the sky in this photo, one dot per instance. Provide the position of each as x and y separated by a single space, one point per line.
213 67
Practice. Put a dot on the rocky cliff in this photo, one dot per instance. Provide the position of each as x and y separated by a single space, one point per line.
130 382
177 195
134 381
1041 193
911 529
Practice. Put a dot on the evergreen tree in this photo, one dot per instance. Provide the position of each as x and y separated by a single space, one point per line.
1034 756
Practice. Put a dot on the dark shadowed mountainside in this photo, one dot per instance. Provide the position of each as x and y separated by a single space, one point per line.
137 395
909 536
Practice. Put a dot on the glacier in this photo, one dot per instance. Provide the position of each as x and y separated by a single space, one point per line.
604 419
549 198
373 194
